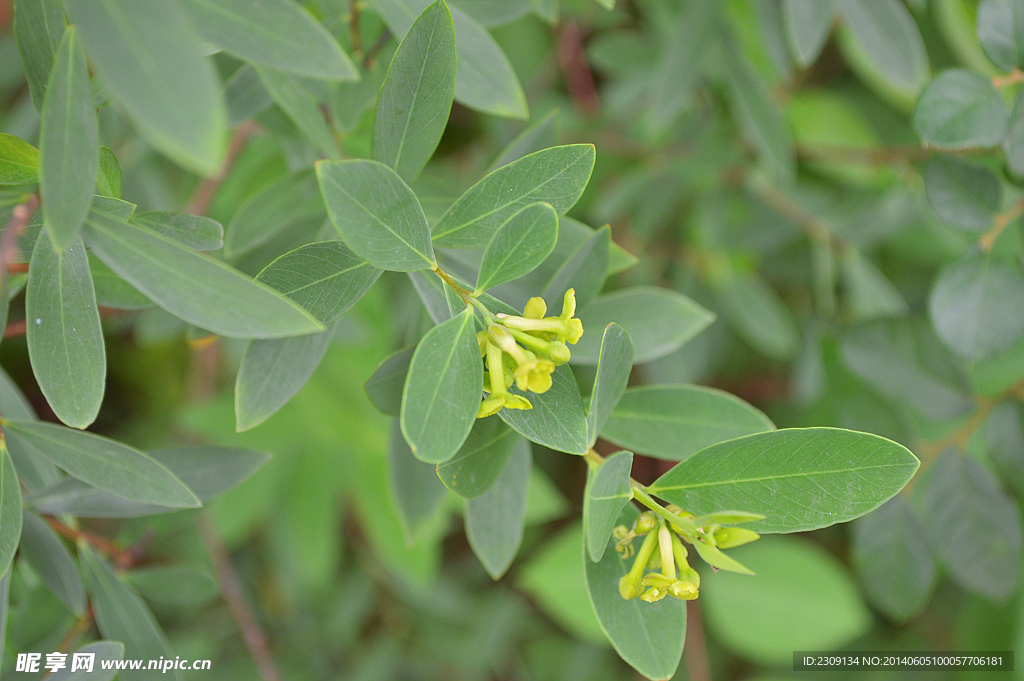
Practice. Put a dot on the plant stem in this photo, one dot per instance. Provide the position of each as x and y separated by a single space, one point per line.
122 559
1014 77
204 192
1001 222
15 226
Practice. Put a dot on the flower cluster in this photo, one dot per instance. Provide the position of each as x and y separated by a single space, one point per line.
525 351
661 550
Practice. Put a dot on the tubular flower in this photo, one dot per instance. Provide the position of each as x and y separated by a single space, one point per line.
669 556
526 350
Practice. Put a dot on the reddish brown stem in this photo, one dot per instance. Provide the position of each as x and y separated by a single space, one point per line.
122 559
204 192
15 226
231 589
578 77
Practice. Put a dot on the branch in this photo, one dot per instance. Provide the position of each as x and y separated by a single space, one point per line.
204 192
231 589
578 77
122 558
1002 221
15 226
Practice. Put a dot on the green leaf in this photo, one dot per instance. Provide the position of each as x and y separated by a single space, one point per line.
301 106
108 177
102 463
557 176
115 208
114 292
960 109
676 421
64 334
1013 145
798 583
893 560
122 616
1001 31
972 524
585 271
484 79
882 42
177 585
648 636
540 135
325 277
760 118
977 305
906 362
191 231
557 419
519 246
719 560
480 460
147 54
38 27
555 576
494 520
869 292
19 161
195 288
416 98
495 12
275 33
1004 441
443 389
10 510
414 487
376 214
208 471
272 371
47 555
808 23
68 144
103 650
613 367
265 214
608 490
5 588
965 194
799 478
758 314
657 320
384 386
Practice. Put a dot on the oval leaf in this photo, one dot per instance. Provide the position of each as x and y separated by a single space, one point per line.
415 489
557 176
798 478
19 161
557 419
153 61
279 204
494 520
649 636
68 144
48 556
101 462
608 490
443 389
276 33
376 214
965 194
613 367
676 421
325 277
195 288
960 109
38 26
977 305
519 246
658 321
64 334
416 98
1001 31
480 460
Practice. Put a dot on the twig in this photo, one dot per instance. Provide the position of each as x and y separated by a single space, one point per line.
122 558
204 192
1012 78
77 629
1002 221
231 589
353 23
578 77
369 61
881 156
15 226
